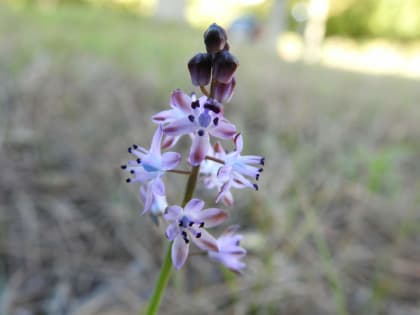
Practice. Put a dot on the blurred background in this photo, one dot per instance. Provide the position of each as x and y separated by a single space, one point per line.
328 91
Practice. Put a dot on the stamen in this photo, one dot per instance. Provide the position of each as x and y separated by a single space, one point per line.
200 132
198 235
202 224
257 177
195 104
135 146
216 121
255 186
191 118
129 150
138 161
128 180
213 107
132 172
191 223
262 161
123 167
260 170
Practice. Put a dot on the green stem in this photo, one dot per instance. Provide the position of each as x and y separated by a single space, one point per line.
166 269
161 283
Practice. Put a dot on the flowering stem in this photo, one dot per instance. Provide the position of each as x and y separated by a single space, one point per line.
166 269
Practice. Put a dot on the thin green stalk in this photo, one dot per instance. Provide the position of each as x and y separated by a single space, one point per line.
166 269
161 283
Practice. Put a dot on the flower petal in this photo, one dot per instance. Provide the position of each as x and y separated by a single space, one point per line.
165 116
157 139
206 241
227 199
224 173
213 216
158 187
169 142
170 160
199 148
179 252
193 206
172 231
223 130
172 213
239 142
148 198
180 127
181 101
225 189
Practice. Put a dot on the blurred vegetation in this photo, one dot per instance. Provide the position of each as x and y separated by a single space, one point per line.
333 230
396 19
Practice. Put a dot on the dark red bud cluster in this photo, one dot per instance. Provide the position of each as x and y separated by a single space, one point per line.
217 66
215 39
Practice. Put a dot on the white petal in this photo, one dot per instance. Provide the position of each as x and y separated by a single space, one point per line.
180 127
193 206
172 231
156 141
172 213
165 116
199 148
239 143
224 130
206 241
170 160
179 252
213 216
181 101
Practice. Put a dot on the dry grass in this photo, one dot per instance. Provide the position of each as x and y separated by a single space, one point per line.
334 228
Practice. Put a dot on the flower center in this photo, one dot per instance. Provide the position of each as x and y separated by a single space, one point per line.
188 225
204 119
150 168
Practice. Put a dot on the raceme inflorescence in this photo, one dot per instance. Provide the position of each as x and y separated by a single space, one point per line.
202 119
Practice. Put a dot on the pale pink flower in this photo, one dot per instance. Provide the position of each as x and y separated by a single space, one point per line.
149 167
188 224
230 253
201 117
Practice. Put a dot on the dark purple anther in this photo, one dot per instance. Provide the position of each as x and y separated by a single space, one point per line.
200 69
224 67
215 38
223 92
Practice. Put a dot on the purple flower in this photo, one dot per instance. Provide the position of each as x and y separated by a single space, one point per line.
149 167
157 206
230 252
188 224
200 117
237 168
210 169
235 172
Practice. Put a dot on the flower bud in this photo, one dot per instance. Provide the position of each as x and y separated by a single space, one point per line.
215 38
224 66
223 92
200 69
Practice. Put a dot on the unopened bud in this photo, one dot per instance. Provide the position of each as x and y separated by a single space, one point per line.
215 38
223 92
200 69
224 66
